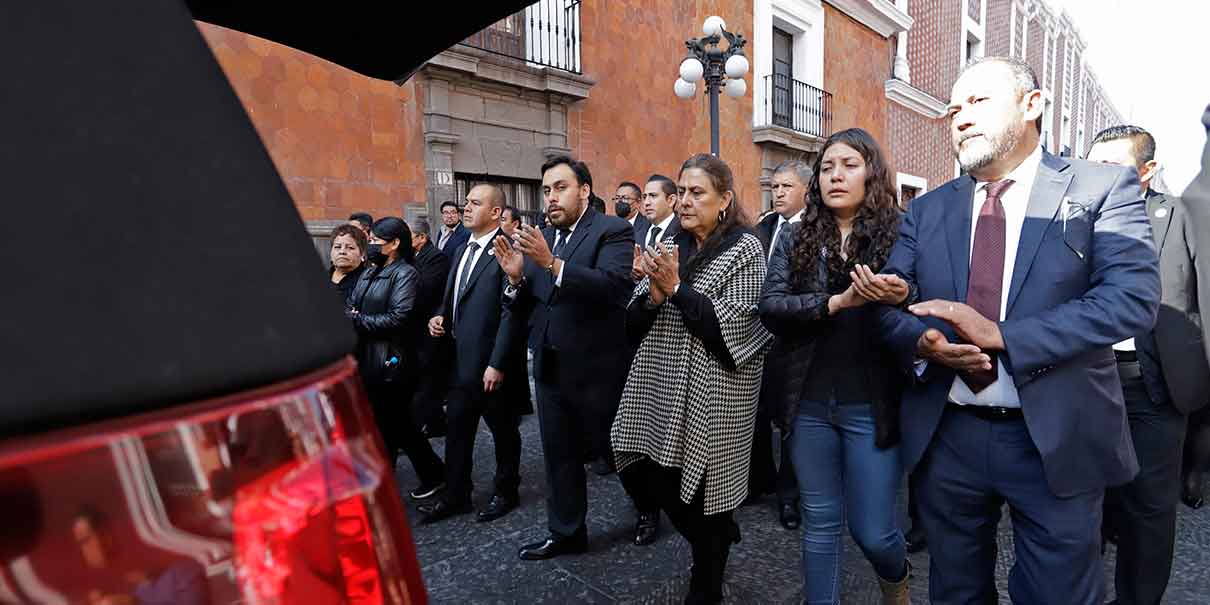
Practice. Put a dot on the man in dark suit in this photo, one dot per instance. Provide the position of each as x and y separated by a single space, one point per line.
573 282
1164 375
659 208
790 180
1030 267
484 331
432 354
452 233
1197 207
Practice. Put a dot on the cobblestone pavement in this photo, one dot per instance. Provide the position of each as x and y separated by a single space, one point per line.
468 562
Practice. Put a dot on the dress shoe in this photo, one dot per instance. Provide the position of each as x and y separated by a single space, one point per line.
602 466
914 539
498 507
552 547
647 528
441 510
789 516
426 491
1191 490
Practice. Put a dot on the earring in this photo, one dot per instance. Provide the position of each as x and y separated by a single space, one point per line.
722 215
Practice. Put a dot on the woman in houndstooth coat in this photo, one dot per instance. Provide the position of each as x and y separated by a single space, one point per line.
683 432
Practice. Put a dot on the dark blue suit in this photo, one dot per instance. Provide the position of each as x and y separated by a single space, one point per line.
460 236
1079 285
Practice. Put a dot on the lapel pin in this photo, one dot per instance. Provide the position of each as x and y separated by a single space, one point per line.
1161 213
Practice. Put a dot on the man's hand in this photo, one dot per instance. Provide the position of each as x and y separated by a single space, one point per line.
492 379
934 347
509 259
636 267
971 325
887 289
531 243
437 326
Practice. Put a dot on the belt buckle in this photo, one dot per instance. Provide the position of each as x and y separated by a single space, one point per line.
998 411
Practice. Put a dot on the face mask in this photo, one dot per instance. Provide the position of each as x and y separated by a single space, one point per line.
622 208
375 255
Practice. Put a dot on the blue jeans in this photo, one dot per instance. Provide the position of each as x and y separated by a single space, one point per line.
841 473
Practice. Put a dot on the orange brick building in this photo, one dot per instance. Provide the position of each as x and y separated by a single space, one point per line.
594 79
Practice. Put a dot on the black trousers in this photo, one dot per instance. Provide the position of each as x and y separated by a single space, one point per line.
389 400
572 430
764 474
432 373
710 536
1142 513
466 405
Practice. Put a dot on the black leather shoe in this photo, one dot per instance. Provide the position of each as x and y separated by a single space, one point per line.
441 510
1191 490
553 547
789 516
914 539
647 528
424 491
498 507
602 466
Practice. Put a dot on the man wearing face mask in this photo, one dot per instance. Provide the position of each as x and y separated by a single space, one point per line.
572 280
628 204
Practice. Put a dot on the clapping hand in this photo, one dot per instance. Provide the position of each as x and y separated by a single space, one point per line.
934 347
884 288
663 269
510 259
971 325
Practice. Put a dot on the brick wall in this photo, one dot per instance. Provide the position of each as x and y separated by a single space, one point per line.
934 45
1019 35
1057 68
632 125
856 67
920 146
1035 45
999 28
341 142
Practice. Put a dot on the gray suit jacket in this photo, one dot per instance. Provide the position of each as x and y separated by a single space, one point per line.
1197 206
1178 328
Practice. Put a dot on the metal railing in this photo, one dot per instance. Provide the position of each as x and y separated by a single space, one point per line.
545 33
797 106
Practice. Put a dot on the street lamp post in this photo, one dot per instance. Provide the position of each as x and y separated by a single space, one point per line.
722 69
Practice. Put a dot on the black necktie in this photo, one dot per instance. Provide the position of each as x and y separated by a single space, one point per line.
466 269
560 241
655 236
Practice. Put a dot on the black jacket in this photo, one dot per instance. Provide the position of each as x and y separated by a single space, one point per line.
384 300
348 282
796 316
460 236
486 333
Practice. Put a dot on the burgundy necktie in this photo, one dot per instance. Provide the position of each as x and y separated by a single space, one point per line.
987 272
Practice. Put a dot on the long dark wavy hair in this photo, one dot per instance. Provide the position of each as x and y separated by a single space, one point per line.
875 227
734 218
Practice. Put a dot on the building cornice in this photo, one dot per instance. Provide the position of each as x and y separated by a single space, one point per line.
878 15
914 99
486 66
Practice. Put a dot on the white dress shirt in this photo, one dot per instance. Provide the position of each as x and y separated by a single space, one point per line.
781 223
1015 199
469 256
570 230
663 227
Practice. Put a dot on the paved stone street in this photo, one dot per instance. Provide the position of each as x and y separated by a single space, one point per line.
468 562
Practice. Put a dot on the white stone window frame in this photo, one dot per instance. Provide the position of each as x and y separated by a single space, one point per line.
804 21
911 180
973 31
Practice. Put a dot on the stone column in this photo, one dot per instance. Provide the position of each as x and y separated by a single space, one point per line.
902 68
439 140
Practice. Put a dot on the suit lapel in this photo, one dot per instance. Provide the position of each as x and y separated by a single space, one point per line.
578 235
958 234
1050 183
481 263
1160 209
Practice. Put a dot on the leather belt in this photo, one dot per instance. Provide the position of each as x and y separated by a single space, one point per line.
1125 356
989 412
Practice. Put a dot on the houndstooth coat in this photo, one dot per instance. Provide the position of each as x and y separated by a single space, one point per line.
681 407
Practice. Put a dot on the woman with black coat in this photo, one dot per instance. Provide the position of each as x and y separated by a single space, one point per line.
381 310
836 387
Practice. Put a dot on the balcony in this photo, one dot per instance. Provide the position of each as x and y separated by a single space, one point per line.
544 34
797 106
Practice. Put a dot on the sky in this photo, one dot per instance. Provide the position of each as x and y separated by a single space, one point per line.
1152 57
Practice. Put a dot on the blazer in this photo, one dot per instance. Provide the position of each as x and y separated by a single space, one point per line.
764 230
641 224
460 236
641 238
485 331
578 330
433 267
1085 277
1197 206
1178 328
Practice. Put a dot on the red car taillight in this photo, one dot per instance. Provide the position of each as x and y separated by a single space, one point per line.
281 495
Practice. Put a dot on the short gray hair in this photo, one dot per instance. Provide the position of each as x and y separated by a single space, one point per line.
801 169
419 225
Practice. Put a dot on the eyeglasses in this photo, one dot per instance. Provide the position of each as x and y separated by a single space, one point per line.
623 198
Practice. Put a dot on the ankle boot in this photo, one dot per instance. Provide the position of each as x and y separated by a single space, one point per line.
897 593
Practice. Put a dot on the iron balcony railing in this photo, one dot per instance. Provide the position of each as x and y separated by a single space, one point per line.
545 33
797 106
